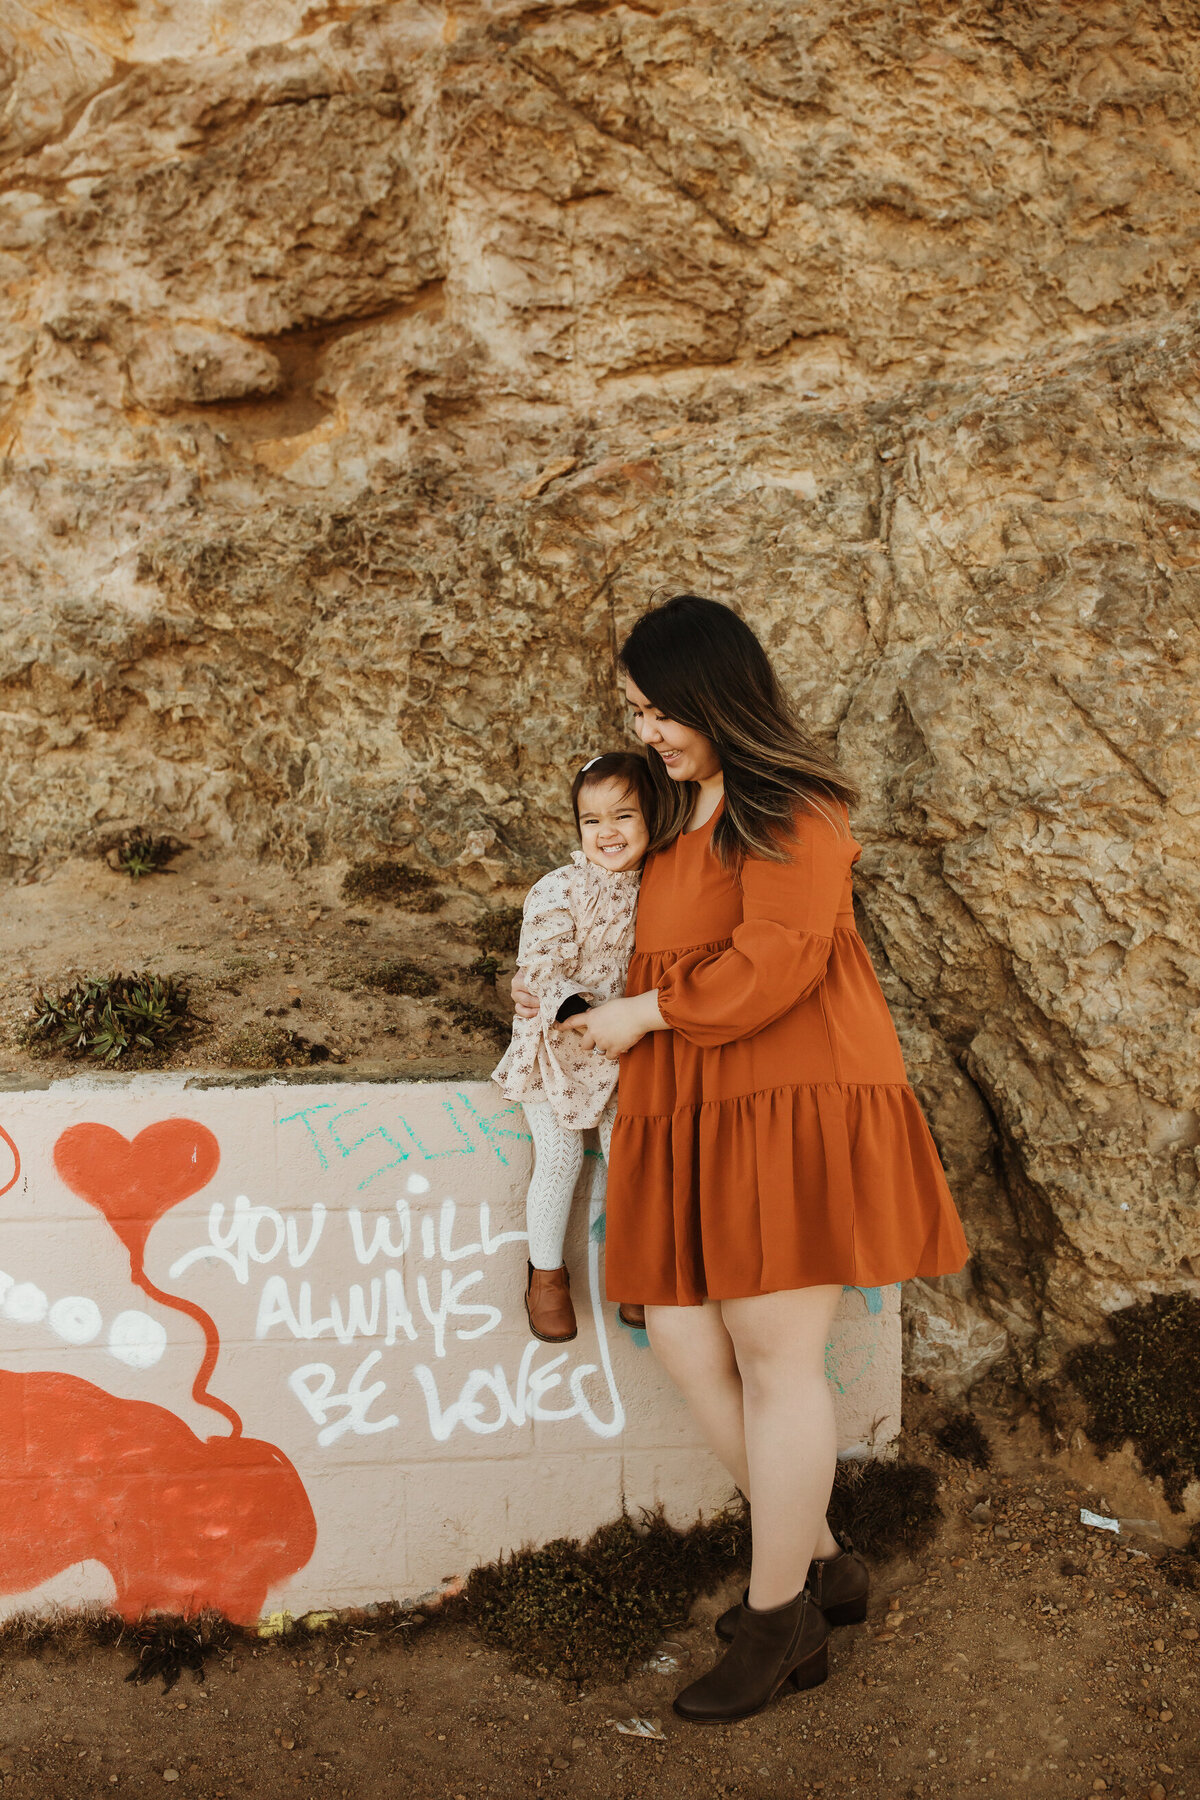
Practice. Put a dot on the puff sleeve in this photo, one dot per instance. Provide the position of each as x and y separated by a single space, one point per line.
548 954
778 953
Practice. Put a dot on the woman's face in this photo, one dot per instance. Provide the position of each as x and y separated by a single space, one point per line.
687 755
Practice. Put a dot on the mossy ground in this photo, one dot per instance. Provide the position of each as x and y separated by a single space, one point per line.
499 931
1142 1385
401 977
414 889
281 967
264 1046
963 1436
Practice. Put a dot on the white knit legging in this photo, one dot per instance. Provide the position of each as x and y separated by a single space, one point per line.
557 1160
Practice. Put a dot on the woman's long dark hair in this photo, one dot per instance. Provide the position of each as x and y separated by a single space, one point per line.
701 665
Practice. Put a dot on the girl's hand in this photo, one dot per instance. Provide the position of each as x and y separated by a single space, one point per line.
617 1025
525 1001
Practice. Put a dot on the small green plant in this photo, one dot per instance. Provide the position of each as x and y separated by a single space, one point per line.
1142 1385
499 931
413 889
138 853
401 978
113 1017
486 968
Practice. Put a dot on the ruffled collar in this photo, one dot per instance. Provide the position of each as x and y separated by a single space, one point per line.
591 869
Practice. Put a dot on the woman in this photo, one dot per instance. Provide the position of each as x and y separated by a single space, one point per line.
767 1148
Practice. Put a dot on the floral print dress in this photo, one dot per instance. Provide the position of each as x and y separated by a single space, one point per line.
576 938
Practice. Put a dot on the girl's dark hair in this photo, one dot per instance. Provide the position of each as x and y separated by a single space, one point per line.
701 665
631 768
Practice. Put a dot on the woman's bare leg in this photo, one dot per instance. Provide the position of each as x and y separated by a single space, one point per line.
790 1437
696 1350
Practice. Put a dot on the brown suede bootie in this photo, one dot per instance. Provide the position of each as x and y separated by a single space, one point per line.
548 1304
839 1585
783 1646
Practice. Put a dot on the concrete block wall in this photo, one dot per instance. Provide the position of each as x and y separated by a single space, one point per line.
263 1348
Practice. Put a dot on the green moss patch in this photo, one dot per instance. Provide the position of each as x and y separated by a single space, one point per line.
499 931
962 1436
1141 1385
469 1017
271 1047
413 889
586 1611
578 1611
885 1507
400 978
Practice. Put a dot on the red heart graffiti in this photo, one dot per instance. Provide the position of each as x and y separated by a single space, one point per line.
134 1183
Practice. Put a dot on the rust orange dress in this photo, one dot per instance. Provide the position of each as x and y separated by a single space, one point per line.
770 1138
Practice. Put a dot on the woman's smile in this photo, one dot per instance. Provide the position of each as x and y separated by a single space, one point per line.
687 755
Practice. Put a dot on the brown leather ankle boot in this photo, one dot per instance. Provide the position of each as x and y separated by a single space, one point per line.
783 1646
839 1585
548 1304
631 1315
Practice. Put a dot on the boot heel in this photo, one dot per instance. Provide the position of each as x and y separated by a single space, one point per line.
851 1612
811 1672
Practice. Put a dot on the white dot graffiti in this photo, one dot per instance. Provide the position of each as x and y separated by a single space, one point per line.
136 1339
76 1319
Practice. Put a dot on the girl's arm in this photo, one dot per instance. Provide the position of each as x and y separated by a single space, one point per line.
548 956
525 1001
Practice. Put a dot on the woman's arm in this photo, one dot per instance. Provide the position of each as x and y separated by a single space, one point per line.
780 951
617 1025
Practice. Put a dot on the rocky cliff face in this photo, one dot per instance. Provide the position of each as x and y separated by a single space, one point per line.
366 369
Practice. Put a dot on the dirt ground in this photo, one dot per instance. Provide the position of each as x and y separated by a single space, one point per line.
1022 1654
278 964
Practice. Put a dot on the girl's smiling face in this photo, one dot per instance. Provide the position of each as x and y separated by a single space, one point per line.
611 827
687 755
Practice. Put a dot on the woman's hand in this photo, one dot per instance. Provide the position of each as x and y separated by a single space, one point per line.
525 1001
617 1025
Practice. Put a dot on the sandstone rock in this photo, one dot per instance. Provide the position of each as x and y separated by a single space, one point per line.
189 365
363 380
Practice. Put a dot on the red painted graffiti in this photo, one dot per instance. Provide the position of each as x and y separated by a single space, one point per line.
133 1183
181 1523
16 1162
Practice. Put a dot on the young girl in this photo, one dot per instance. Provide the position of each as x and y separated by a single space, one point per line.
576 941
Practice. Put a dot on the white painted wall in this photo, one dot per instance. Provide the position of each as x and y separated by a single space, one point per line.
359 1250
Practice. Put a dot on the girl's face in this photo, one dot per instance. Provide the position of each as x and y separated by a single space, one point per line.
687 755
611 827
